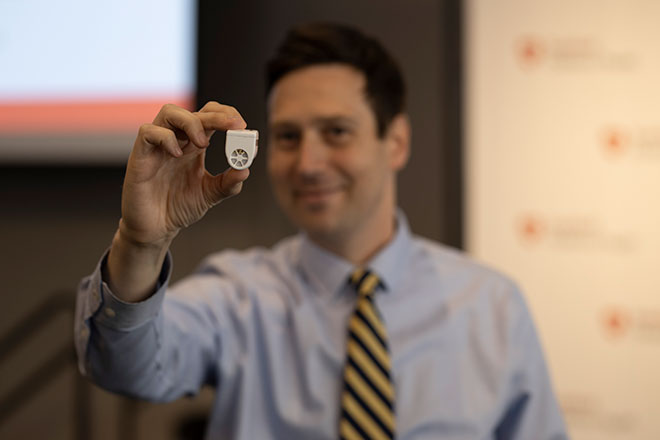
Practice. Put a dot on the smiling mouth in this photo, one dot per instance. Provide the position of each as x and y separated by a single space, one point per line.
314 195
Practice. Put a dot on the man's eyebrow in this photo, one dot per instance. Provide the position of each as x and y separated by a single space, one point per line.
279 125
321 120
335 119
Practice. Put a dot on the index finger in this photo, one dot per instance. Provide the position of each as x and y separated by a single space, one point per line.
176 118
216 116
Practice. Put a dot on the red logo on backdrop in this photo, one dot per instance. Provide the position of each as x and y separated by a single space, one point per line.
531 228
530 51
615 321
614 141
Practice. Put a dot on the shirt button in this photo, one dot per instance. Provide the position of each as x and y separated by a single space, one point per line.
84 333
109 312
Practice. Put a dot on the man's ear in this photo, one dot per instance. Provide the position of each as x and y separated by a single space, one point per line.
398 141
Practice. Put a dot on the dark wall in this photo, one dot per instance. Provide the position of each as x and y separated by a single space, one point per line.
56 221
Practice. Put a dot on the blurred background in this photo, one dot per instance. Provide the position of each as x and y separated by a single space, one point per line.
78 80
536 148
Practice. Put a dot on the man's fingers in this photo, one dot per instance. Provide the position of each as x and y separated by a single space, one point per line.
182 121
213 106
216 116
220 121
225 185
152 136
174 126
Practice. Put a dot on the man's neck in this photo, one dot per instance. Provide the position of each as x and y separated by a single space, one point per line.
359 244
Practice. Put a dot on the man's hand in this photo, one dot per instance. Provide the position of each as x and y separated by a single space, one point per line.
167 188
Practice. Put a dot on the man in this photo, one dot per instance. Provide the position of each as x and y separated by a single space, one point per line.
431 346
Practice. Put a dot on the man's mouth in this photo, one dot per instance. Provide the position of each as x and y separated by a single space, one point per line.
314 195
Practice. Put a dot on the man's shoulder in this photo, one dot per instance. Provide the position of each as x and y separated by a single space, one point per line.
470 286
455 267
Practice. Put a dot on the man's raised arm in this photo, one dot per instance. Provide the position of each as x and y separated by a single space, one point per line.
166 188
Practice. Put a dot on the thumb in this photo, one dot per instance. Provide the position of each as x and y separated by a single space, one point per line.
224 185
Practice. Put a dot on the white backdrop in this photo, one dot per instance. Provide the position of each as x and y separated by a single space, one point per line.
563 192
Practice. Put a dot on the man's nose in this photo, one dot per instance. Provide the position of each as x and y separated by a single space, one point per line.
311 155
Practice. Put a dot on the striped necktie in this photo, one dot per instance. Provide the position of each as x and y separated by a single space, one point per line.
367 401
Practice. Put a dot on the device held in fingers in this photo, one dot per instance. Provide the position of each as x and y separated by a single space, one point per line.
241 148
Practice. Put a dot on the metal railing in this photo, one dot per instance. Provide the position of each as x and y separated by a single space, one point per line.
63 359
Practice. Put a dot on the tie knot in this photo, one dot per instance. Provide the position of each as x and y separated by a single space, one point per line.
364 281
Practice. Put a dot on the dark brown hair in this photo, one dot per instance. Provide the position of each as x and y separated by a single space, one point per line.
329 43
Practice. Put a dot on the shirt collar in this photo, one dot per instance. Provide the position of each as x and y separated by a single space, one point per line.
330 272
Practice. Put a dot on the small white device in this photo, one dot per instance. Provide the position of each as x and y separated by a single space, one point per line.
241 148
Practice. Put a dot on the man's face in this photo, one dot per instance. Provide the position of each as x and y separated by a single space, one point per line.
330 171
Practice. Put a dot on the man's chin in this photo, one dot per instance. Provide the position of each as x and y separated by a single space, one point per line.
316 222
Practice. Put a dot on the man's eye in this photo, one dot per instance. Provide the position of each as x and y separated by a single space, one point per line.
337 133
287 139
287 135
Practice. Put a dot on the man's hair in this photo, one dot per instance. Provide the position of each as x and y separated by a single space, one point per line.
328 43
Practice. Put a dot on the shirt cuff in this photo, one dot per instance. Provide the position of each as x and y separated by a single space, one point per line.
123 316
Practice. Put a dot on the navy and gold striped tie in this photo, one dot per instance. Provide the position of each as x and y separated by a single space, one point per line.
367 401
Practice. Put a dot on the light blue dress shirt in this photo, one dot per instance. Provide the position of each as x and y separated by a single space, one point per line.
267 328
